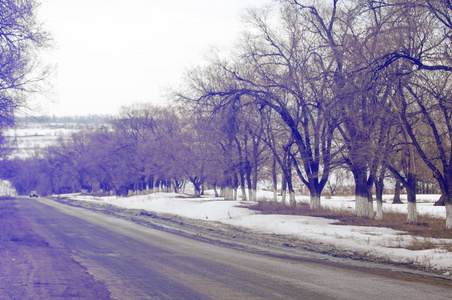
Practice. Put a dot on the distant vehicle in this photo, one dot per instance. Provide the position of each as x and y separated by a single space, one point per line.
33 194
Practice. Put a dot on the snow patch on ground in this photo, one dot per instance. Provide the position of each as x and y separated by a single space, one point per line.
6 188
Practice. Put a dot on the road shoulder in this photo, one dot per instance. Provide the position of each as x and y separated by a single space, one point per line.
32 267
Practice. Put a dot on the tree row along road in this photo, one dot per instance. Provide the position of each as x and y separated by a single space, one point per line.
53 250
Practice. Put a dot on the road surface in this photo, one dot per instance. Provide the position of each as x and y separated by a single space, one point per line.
50 250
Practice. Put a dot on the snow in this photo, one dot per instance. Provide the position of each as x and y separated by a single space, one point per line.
28 138
373 241
6 188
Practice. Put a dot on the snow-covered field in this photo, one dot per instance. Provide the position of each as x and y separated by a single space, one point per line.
372 241
27 139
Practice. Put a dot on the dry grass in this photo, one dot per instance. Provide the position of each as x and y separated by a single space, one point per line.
421 244
426 228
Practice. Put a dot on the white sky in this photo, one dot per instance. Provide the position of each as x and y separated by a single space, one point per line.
111 53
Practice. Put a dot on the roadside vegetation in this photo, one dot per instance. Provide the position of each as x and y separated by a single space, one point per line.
423 232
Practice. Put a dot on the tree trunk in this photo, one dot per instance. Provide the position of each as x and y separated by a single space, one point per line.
168 185
398 188
151 183
275 181
440 201
283 190
361 190
379 214
448 215
215 190
175 186
315 188
361 198
242 170
291 192
446 195
370 206
379 187
361 205
250 193
197 192
293 202
243 188
197 186
253 195
228 185
314 201
255 169
370 200
248 180
412 213
288 176
228 193
236 185
411 196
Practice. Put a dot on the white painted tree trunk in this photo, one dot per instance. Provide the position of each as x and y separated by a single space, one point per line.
293 202
412 212
244 197
361 206
235 194
448 215
314 202
228 193
370 207
283 197
275 195
252 195
379 215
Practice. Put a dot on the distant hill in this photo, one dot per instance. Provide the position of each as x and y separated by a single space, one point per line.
87 120
34 133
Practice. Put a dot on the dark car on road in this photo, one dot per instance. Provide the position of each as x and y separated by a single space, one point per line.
33 194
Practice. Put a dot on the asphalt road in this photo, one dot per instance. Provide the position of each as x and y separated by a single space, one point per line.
50 250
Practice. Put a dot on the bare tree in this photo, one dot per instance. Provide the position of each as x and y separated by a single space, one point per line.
423 45
21 39
284 71
280 141
352 35
225 110
198 152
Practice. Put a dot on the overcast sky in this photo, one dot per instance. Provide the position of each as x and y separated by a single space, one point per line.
111 53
